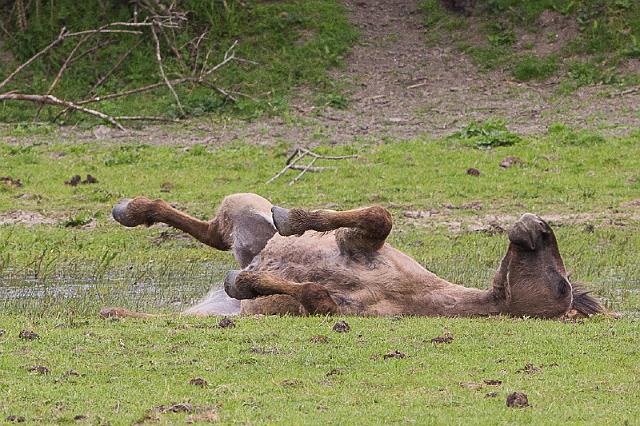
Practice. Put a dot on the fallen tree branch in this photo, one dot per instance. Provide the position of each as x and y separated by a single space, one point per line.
299 154
145 118
304 170
52 100
162 73
51 45
164 23
312 169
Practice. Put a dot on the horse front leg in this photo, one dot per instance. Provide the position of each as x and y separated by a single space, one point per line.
313 297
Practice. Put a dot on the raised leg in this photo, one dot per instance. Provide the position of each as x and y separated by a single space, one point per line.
364 230
243 223
313 297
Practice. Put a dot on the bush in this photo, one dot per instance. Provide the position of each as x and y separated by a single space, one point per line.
486 135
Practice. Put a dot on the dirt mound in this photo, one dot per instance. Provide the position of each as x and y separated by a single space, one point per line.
23 217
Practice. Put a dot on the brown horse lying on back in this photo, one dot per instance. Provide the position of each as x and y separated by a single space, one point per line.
326 262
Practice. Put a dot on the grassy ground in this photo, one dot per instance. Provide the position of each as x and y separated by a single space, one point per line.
593 38
299 371
55 277
586 185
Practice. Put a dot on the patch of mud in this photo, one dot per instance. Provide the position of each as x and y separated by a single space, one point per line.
394 354
517 400
447 338
341 327
22 217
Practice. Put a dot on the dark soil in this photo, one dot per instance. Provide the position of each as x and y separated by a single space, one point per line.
447 338
394 354
341 327
28 335
226 322
198 381
517 400
39 369
319 339
10 182
529 369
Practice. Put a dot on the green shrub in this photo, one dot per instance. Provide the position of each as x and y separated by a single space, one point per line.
486 135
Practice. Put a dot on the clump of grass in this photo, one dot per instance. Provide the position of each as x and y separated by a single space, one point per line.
334 100
588 73
533 67
486 135
565 135
80 219
437 18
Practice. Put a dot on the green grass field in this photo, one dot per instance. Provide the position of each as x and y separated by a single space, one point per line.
299 371
66 258
57 276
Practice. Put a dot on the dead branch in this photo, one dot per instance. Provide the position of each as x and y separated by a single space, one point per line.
163 20
162 73
145 118
312 169
326 157
299 154
55 81
51 45
289 165
295 179
52 100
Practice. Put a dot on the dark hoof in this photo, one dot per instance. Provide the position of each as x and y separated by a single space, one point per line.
119 213
238 289
281 221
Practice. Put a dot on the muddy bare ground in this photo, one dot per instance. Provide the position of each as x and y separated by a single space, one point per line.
402 87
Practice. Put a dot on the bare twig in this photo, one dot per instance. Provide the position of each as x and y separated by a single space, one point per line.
299 154
289 165
229 56
311 169
51 45
145 118
304 170
415 86
52 100
56 80
104 31
216 88
326 157
162 73
629 91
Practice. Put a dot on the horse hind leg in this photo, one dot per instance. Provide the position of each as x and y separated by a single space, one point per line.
243 223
